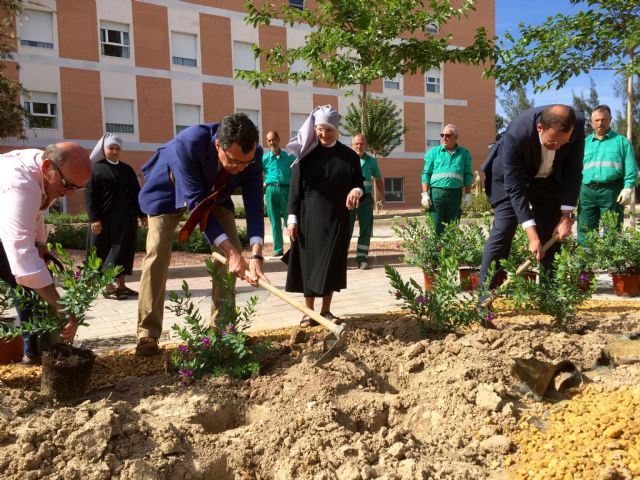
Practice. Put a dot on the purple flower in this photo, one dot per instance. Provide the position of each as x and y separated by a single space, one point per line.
206 343
398 294
230 329
183 348
77 275
184 373
585 277
490 316
420 299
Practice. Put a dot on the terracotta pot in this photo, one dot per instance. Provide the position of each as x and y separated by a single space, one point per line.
66 372
469 278
428 281
10 350
626 285
531 276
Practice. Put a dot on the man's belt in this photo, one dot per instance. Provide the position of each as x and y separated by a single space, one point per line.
200 214
613 183
277 184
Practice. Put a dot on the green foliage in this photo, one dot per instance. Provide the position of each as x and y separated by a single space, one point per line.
586 105
616 250
383 124
443 307
222 349
515 101
419 241
55 218
560 292
70 236
467 243
81 285
480 206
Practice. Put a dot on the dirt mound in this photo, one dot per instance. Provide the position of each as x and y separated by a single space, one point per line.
392 406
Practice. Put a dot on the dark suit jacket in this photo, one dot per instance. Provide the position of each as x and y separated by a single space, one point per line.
515 159
193 160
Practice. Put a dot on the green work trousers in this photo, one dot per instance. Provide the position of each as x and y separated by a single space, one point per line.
445 206
594 201
364 215
276 199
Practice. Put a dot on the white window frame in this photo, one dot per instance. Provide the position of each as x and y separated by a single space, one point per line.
119 126
433 131
38 37
184 61
432 80
391 180
394 84
50 101
124 44
241 62
178 116
298 4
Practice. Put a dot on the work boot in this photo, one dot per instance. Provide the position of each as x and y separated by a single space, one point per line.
364 266
147 346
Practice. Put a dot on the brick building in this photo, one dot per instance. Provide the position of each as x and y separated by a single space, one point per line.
146 69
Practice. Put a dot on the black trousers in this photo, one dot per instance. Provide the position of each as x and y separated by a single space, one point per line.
544 198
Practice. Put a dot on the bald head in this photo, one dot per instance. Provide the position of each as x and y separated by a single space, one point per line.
72 160
561 118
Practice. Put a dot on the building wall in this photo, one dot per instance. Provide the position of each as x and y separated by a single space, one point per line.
82 76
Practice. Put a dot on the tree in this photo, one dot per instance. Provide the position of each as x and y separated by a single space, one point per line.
12 113
604 34
354 42
513 102
621 122
586 105
382 124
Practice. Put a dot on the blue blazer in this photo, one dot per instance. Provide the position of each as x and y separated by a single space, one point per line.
192 158
515 159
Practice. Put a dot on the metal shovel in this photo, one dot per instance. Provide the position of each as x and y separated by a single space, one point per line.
332 344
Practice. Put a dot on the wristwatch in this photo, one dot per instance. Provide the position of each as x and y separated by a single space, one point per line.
257 257
568 214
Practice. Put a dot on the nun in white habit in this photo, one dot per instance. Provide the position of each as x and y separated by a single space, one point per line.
112 205
326 182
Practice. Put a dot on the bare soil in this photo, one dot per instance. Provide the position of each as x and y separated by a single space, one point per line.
393 405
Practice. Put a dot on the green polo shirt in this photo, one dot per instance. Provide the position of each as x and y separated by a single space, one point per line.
447 170
370 169
277 169
608 160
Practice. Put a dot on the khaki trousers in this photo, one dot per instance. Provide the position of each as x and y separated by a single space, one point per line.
155 268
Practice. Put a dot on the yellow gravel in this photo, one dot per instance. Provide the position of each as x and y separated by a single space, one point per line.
596 435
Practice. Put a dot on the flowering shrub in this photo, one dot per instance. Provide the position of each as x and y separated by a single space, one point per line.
560 291
419 241
219 349
616 250
81 285
443 307
468 243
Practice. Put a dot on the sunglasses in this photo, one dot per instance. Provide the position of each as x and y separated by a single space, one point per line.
66 184
446 135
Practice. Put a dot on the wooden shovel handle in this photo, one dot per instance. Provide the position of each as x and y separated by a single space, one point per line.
291 301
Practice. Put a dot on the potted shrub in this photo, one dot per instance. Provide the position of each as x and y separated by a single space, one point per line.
10 344
65 369
617 251
468 245
421 245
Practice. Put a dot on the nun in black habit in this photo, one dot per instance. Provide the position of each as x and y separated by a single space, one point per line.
112 205
326 182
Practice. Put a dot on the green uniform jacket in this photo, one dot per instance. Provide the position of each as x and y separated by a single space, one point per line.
608 160
370 169
447 170
277 169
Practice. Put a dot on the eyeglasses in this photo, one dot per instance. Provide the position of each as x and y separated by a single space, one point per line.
66 184
236 163
447 135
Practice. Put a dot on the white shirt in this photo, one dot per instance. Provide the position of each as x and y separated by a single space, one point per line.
22 222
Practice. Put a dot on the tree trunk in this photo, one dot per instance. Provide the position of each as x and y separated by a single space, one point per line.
632 203
363 108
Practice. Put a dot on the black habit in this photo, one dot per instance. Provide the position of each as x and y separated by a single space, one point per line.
112 198
320 183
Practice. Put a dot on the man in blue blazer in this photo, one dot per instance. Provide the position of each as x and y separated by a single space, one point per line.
200 161
532 178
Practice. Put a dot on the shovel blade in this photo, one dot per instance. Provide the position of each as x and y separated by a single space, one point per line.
332 345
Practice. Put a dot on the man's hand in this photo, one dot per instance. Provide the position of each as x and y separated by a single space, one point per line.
426 200
466 201
42 250
353 199
144 221
69 331
255 267
535 246
292 231
563 229
625 196
96 227
235 262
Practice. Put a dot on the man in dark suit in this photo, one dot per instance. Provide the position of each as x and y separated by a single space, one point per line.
200 161
533 179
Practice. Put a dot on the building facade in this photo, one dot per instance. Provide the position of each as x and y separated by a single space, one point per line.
147 69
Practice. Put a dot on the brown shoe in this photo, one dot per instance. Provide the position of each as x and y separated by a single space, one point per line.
147 346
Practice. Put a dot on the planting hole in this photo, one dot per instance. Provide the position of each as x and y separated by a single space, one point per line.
229 417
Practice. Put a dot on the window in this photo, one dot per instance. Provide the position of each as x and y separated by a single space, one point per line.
432 28
114 39
243 57
433 134
254 116
36 29
394 189
184 50
43 108
297 119
186 115
118 115
432 79
299 4
393 83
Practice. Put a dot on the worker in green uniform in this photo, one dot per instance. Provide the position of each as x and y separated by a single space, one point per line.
608 173
364 211
447 172
276 165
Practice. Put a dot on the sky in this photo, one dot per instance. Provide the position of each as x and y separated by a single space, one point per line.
509 13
